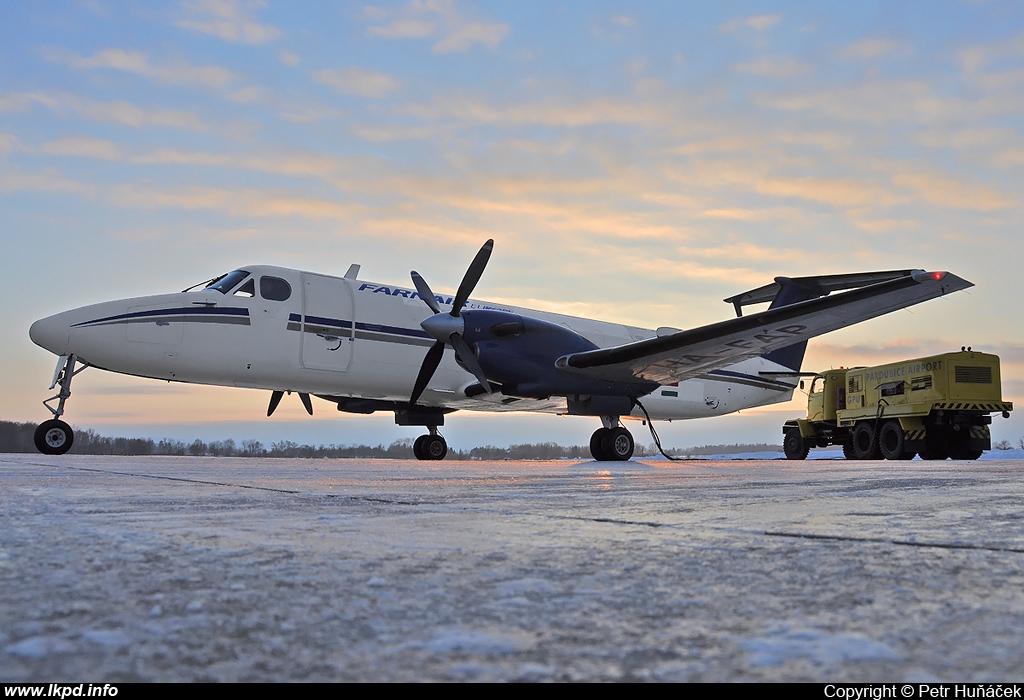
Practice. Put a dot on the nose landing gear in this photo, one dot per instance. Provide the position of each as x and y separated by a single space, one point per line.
55 437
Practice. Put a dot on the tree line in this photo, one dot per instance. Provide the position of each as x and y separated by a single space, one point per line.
18 437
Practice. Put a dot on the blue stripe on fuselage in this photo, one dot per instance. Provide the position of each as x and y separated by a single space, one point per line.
234 312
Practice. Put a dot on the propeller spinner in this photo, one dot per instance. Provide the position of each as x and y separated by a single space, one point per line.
449 328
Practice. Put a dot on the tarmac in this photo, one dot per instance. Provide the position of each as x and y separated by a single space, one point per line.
120 569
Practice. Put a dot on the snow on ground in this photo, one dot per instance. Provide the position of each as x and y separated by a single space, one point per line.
201 569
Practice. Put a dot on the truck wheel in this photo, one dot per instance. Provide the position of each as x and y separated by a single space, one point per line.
958 445
848 450
865 445
933 452
795 446
891 441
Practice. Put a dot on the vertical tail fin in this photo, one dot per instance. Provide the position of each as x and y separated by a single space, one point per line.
792 291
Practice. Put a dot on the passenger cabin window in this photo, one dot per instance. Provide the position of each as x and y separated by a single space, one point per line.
225 283
274 288
246 290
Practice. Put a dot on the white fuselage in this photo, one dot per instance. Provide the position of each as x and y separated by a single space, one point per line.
344 337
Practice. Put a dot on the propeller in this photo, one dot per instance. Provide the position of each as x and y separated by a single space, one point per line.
448 328
275 399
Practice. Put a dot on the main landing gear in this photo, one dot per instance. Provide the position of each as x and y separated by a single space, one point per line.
55 437
611 443
430 446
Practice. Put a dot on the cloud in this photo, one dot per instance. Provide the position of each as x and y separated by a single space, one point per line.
885 225
249 95
974 58
774 67
555 111
443 19
13 179
838 192
758 23
236 202
867 49
118 112
130 115
292 162
8 142
947 192
175 73
231 20
364 82
907 101
83 147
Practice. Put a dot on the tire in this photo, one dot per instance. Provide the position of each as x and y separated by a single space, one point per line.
958 445
417 447
617 445
434 447
969 455
597 444
890 440
934 450
865 446
848 452
54 437
794 445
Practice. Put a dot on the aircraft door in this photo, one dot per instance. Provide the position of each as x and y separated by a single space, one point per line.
328 323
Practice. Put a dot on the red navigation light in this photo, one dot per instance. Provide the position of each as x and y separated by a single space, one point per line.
938 275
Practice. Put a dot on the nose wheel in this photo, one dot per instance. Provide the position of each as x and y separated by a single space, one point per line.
55 437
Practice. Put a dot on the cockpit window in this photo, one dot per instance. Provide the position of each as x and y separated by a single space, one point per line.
225 283
246 290
274 288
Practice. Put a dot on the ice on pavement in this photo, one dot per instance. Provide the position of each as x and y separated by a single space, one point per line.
198 569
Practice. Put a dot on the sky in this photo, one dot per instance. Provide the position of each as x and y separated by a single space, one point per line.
635 162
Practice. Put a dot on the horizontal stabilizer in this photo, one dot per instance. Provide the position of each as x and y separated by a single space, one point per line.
824 283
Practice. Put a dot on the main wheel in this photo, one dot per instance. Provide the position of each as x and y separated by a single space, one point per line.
795 446
597 444
54 437
417 447
891 441
865 446
617 445
433 447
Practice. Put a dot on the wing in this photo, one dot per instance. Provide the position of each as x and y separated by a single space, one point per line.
696 352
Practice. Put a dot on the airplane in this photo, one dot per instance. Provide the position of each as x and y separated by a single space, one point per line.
367 347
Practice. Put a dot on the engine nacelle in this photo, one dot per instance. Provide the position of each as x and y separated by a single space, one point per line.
519 353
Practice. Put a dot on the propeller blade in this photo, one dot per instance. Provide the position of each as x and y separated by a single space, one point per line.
476 269
469 359
425 294
430 363
306 402
275 399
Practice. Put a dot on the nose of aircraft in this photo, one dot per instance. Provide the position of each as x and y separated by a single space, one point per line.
51 333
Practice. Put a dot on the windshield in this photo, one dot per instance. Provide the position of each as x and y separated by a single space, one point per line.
225 283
